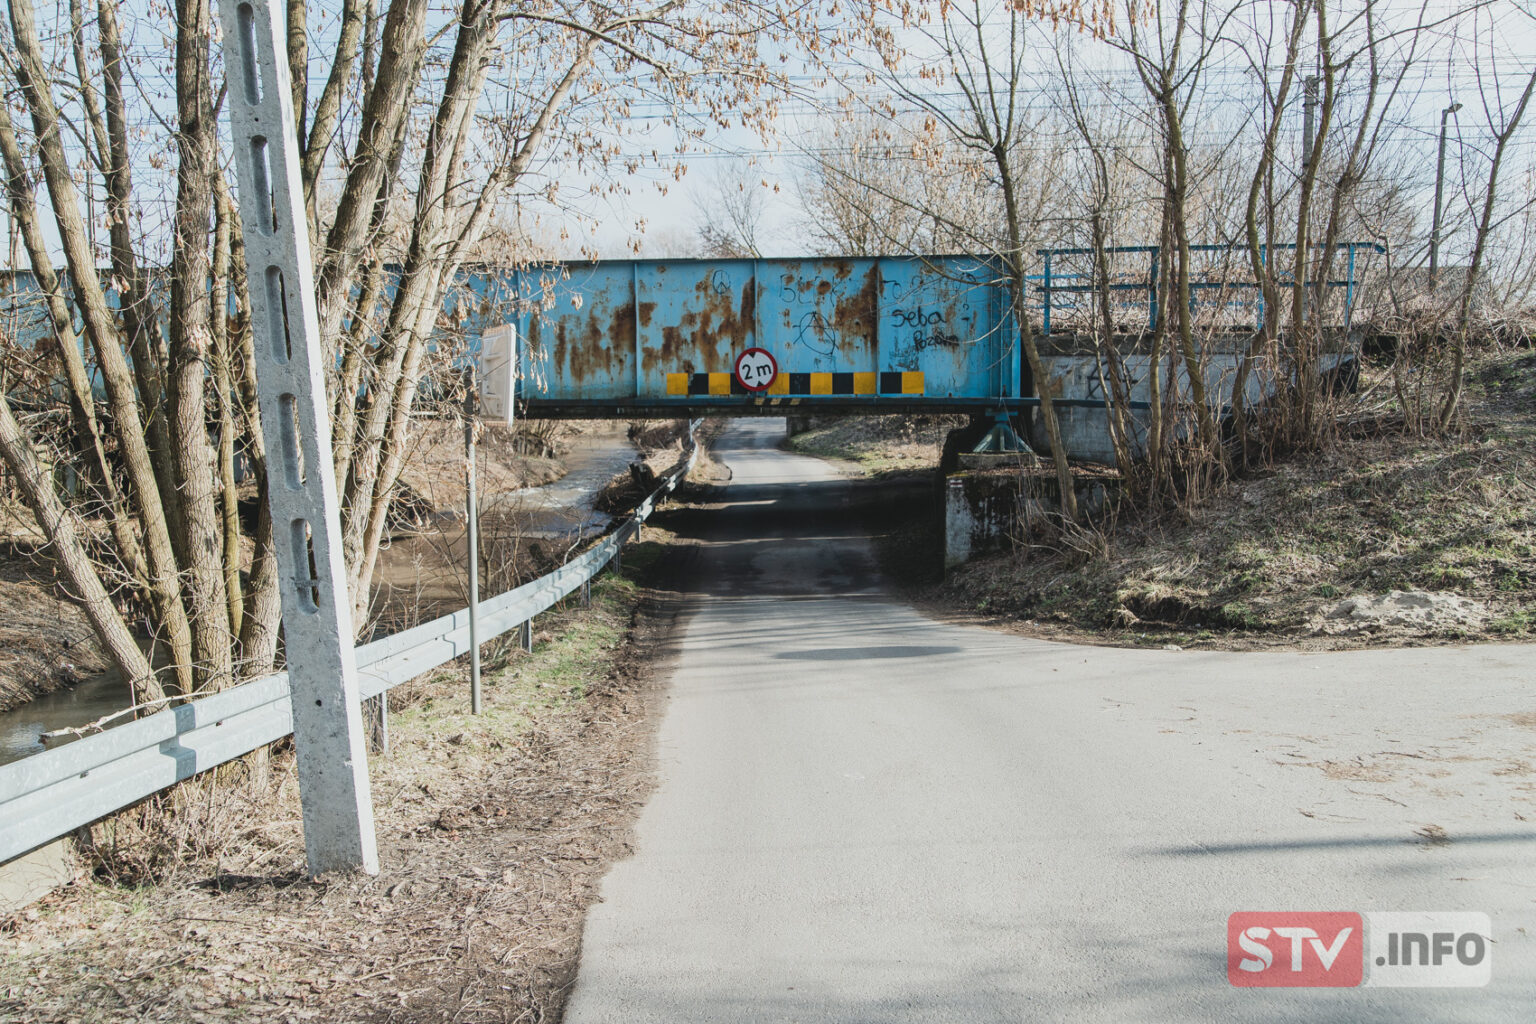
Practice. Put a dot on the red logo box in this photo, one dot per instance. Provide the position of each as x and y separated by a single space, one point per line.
1295 949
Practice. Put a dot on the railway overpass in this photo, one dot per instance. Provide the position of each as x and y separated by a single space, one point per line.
913 334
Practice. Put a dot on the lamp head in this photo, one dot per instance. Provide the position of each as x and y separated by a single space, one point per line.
1453 108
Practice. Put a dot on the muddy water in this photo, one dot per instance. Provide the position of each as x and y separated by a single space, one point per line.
417 576
424 575
95 698
564 506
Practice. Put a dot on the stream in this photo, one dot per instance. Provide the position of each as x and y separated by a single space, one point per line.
555 510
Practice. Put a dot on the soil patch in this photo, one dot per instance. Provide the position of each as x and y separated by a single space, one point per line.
528 455
46 644
878 445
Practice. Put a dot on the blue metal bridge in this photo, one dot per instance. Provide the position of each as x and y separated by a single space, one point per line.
636 337
931 333
887 334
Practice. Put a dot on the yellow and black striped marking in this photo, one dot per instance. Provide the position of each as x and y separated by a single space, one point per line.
906 382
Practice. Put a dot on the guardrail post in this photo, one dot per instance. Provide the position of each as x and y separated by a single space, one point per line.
301 487
377 722
586 593
525 635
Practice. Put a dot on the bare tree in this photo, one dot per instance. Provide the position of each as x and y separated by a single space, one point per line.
405 164
877 184
1503 120
981 53
729 214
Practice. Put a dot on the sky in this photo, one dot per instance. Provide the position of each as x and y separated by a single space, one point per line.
1452 69
655 210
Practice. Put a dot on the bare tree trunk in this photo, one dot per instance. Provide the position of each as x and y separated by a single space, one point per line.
298 63
1111 363
134 298
59 527
328 108
1177 170
1260 256
1303 349
1043 384
191 455
224 400
100 328
1157 456
23 207
1479 249
387 106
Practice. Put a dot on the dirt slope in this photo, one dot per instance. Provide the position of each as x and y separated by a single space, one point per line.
1381 539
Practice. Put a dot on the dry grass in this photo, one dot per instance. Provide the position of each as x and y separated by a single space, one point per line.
1258 563
493 832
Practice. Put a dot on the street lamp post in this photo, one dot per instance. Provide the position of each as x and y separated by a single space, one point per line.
1434 231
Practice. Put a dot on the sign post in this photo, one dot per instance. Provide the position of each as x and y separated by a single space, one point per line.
328 731
472 539
488 388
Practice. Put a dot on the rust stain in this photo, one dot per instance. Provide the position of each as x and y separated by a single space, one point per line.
843 269
748 316
588 351
679 348
590 356
535 330
856 317
621 329
682 349
647 309
562 348
671 344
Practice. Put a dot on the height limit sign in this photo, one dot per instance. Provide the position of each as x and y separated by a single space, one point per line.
756 369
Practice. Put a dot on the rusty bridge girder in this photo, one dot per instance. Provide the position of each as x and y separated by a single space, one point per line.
657 337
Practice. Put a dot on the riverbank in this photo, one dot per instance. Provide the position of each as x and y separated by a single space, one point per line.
494 831
877 446
46 644
48 648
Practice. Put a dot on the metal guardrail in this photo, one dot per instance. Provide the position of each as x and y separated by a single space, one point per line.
54 792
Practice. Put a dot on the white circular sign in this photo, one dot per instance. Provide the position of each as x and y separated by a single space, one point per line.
756 369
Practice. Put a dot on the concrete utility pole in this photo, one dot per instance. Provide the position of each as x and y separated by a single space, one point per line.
301 487
1308 118
1434 231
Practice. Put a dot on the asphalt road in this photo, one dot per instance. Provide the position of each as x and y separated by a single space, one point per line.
867 815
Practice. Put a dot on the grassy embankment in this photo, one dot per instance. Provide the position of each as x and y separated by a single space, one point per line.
1271 559
494 831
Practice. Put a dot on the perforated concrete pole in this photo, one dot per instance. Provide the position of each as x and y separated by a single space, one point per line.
301 487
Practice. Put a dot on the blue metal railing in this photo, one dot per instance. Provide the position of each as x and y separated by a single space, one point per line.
1049 288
